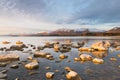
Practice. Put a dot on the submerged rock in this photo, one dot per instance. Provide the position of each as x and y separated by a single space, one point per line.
9 57
49 75
32 65
85 57
98 61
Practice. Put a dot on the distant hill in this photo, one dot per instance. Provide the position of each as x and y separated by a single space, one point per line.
114 30
76 32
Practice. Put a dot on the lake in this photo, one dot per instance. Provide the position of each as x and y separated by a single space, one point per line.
109 70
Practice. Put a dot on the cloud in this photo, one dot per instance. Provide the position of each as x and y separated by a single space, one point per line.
97 12
53 14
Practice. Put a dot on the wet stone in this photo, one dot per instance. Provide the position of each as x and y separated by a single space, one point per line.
49 75
3 76
15 66
3 64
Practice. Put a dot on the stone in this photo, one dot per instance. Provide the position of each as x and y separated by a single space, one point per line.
76 59
3 76
101 46
41 54
33 72
49 75
5 42
50 57
68 68
72 75
119 55
19 42
9 57
98 61
100 54
32 65
117 48
3 64
84 49
85 57
62 56
15 66
56 47
29 58
113 59
3 71
47 68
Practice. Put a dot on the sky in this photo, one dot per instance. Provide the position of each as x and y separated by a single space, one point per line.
46 15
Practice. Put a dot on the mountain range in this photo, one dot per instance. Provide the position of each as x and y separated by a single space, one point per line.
76 32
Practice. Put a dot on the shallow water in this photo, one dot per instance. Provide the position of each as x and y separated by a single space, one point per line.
87 70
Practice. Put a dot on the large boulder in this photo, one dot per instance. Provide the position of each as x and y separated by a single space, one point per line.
9 57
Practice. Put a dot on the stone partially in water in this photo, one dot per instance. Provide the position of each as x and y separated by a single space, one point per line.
113 59
29 58
9 57
62 56
68 69
101 46
72 75
49 75
41 54
98 61
3 76
15 66
85 49
76 59
85 57
3 64
32 65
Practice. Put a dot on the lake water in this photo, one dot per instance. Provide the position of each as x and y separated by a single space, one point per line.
87 70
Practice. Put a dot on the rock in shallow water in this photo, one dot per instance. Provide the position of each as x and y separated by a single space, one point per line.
72 75
85 57
3 76
49 75
98 61
32 65
9 57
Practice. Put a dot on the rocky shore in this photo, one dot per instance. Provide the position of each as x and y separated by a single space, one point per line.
95 53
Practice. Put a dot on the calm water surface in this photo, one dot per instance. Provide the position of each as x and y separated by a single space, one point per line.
87 70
